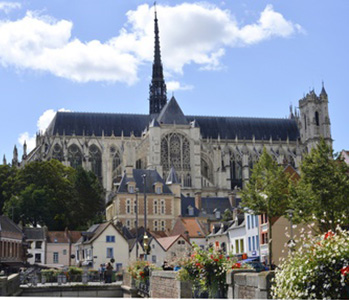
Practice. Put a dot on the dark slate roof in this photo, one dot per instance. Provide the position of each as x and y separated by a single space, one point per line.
7 225
151 178
245 128
226 127
209 204
172 114
34 233
70 123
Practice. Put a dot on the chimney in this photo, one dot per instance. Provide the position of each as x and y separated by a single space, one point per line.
129 171
198 202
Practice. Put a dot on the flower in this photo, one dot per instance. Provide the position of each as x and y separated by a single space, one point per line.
329 234
345 270
236 266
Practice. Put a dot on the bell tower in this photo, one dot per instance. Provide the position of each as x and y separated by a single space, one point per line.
314 120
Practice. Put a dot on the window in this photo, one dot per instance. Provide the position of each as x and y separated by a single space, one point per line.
163 208
153 259
128 206
156 207
252 221
249 243
55 257
264 238
128 224
131 189
237 246
190 210
256 221
156 225
253 244
38 245
248 222
158 190
96 160
110 252
64 251
162 225
257 242
77 255
317 119
38 258
241 246
110 238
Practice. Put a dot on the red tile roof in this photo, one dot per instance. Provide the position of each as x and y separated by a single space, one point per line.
191 225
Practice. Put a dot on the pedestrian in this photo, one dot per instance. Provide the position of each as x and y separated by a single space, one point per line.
101 271
108 272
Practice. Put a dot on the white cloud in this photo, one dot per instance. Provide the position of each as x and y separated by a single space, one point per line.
42 124
8 6
176 85
191 33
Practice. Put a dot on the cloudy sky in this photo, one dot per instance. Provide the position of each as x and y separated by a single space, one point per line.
225 58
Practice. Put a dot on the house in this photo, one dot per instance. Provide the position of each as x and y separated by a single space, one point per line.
36 238
237 236
100 244
252 235
168 249
219 238
193 229
345 156
12 252
59 247
163 205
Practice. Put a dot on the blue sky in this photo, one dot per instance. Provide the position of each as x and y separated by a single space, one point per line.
225 58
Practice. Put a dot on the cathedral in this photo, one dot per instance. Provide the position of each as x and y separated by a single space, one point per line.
209 154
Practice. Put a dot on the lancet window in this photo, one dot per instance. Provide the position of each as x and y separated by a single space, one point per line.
236 170
74 156
96 160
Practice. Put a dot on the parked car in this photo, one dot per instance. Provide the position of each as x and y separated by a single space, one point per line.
256 265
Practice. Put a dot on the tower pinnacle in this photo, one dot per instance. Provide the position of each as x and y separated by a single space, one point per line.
157 88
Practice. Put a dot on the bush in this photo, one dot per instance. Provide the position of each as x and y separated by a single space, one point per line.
207 269
74 270
317 270
140 270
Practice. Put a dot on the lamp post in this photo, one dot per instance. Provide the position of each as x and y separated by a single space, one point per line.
291 243
137 190
145 238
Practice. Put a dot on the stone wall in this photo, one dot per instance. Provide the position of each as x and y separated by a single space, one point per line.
9 286
249 284
163 284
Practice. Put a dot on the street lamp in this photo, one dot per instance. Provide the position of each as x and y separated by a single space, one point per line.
291 243
145 238
137 190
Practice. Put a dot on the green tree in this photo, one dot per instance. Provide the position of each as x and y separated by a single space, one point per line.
88 202
41 192
323 189
48 193
267 192
7 174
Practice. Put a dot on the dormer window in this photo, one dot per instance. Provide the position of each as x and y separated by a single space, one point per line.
131 189
158 188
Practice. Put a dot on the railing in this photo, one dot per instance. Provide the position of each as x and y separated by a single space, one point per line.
142 288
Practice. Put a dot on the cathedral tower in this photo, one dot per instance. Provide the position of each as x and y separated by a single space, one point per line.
314 120
157 88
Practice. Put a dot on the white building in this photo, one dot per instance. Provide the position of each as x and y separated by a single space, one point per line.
100 244
252 235
37 238
168 249
237 236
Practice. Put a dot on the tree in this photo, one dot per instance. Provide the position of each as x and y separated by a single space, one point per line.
88 202
323 189
267 192
41 192
7 174
49 193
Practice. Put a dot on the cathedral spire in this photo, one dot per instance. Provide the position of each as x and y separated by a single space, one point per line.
157 88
